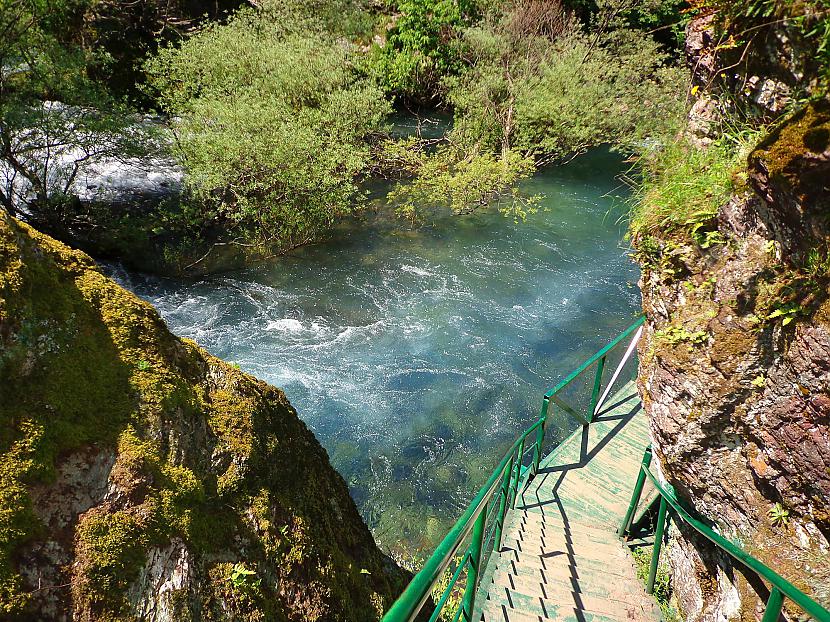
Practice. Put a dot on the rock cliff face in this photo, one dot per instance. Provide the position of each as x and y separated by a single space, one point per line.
141 478
735 364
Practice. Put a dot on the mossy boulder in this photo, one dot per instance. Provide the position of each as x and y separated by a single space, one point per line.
142 478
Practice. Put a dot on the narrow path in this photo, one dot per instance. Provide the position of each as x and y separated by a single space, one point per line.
560 557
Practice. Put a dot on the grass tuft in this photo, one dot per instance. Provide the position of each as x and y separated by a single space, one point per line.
683 186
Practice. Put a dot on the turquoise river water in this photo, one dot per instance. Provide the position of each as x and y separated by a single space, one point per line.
417 354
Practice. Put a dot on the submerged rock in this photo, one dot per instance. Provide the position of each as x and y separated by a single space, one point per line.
142 478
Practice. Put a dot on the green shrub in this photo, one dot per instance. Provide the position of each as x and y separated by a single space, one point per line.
662 581
272 127
534 89
556 99
419 50
446 178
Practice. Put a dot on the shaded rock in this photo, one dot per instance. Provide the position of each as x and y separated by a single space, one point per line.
142 478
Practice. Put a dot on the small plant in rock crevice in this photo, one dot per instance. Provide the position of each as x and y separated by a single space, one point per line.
662 582
675 335
779 516
786 312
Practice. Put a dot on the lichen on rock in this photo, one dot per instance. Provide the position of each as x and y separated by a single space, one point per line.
137 472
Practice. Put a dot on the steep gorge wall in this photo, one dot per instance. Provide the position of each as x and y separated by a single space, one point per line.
735 364
142 478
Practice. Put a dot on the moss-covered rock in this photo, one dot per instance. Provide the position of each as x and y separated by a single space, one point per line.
142 478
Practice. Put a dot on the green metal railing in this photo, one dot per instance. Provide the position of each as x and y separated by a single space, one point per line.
480 526
779 586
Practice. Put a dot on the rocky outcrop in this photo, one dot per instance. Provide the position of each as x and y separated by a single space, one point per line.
142 478
735 363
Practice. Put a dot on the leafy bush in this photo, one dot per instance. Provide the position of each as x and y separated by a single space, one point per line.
420 49
555 99
53 116
663 592
536 89
465 183
272 126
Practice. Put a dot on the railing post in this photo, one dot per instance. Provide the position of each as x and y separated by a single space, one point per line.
540 437
635 496
503 494
595 392
514 486
774 604
658 544
469 602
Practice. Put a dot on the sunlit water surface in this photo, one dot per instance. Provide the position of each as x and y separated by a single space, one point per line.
417 354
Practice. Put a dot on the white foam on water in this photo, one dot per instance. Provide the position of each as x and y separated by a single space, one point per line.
289 325
415 270
416 352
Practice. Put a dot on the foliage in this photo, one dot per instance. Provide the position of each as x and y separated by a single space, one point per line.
241 576
350 19
272 127
465 183
44 142
536 88
415 562
666 19
420 47
786 312
529 91
810 19
675 335
662 582
778 515
683 186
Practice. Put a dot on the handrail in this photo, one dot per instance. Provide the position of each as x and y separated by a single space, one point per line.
503 486
412 599
599 355
781 586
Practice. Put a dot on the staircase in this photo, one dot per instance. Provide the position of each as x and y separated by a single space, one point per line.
560 557
545 537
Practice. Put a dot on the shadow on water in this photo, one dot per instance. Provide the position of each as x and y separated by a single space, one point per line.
417 354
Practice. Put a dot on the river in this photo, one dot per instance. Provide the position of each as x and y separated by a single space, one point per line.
417 353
